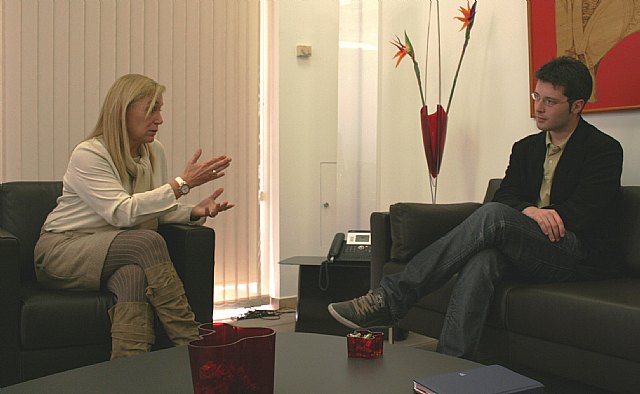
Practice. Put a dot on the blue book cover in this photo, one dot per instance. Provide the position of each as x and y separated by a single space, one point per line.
492 379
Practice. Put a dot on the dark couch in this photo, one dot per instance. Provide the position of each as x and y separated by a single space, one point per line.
584 331
47 331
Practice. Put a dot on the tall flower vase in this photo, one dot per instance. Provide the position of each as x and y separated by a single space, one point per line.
434 126
434 132
229 359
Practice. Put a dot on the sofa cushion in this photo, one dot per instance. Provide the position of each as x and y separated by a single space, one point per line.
61 318
600 316
415 226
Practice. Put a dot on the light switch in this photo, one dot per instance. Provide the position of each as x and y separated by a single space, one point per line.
303 50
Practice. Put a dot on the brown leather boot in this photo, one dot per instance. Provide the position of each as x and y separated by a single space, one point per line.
166 293
131 329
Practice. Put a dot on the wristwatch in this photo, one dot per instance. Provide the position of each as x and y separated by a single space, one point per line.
182 186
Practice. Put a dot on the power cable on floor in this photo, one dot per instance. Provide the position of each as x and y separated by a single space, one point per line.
265 314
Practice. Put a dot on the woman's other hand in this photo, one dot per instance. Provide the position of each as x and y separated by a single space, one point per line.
209 206
196 174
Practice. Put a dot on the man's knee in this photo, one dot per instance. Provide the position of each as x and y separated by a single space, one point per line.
494 214
495 209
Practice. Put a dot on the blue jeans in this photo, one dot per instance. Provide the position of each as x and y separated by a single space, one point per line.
478 250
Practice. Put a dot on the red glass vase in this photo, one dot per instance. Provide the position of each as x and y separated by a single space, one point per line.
229 359
434 132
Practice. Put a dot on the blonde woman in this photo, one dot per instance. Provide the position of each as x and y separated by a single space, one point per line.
102 232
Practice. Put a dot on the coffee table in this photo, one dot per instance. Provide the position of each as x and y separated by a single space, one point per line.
305 363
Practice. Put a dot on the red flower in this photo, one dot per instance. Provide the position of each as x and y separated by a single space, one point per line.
402 50
468 14
407 49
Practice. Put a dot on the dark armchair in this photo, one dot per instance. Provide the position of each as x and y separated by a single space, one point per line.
47 331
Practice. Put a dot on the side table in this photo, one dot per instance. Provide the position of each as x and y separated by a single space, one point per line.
343 281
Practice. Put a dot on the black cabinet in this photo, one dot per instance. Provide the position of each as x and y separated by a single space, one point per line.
321 284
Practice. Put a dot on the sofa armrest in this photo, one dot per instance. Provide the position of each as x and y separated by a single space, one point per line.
10 307
414 226
380 245
9 279
192 249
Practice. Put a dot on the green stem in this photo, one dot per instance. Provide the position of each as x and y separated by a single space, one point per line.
455 78
416 69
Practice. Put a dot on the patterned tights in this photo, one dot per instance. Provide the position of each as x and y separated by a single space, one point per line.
130 253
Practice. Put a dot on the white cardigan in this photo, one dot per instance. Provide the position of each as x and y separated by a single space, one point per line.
94 199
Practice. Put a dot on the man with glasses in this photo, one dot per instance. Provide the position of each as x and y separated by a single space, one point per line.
551 220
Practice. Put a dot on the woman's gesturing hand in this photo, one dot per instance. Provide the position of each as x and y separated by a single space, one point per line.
209 206
196 174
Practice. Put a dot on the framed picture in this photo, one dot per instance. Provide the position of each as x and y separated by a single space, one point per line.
604 35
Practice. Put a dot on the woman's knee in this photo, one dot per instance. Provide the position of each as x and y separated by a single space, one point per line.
148 238
145 247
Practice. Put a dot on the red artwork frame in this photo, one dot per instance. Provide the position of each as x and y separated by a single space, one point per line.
617 80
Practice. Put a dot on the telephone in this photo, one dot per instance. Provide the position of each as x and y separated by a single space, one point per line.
356 246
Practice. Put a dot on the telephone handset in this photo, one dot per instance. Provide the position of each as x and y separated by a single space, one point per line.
356 246
336 247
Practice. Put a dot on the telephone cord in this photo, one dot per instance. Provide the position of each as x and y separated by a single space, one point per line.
324 268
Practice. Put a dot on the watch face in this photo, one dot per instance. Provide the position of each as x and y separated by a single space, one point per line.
184 189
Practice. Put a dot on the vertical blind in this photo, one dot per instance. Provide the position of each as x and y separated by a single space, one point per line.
60 57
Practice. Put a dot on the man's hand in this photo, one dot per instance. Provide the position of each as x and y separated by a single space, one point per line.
549 221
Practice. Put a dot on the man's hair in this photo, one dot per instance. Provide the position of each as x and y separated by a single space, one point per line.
569 73
112 122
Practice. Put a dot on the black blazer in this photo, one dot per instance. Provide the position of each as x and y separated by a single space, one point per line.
586 183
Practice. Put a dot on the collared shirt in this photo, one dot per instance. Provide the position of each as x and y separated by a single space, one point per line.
554 152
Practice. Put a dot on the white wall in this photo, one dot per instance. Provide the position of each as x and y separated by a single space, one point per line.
307 127
490 110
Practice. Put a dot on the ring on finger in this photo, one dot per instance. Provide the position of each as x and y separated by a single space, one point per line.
214 172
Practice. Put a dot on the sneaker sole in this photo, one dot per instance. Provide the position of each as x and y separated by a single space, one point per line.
341 319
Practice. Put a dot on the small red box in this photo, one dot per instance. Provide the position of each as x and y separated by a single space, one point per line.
365 344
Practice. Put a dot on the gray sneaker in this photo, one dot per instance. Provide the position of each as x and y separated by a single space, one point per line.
370 310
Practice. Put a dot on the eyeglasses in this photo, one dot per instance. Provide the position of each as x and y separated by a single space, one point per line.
548 102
